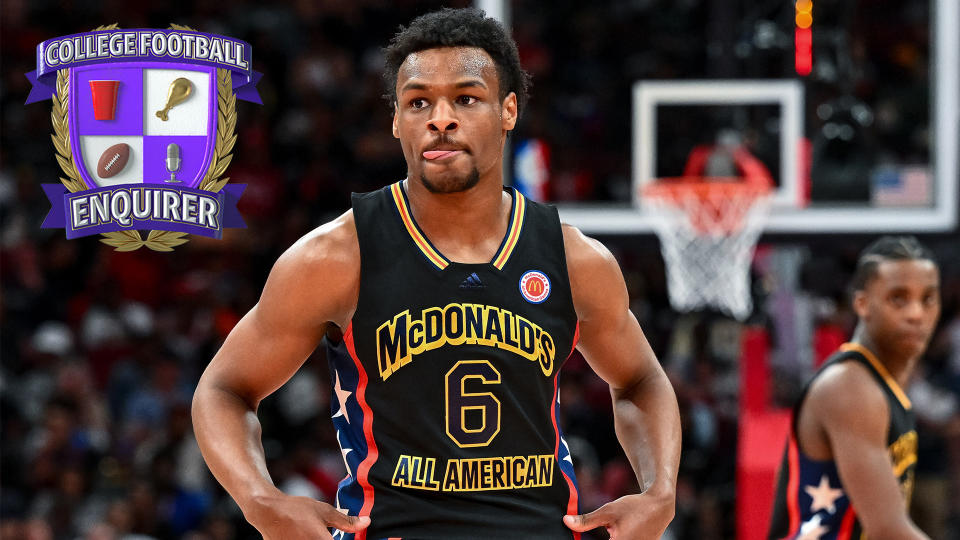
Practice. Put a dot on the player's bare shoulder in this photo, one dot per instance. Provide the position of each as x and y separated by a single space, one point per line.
584 253
321 268
333 244
846 394
595 277
846 385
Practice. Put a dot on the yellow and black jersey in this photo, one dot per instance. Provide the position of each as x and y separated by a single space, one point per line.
445 386
810 499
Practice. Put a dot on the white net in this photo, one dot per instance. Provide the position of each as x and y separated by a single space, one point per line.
707 237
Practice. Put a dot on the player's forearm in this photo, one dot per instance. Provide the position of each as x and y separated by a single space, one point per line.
228 433
891 527
647 421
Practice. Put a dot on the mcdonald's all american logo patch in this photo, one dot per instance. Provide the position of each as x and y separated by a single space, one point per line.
534 286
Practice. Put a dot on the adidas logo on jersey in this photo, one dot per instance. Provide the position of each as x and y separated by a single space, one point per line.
472 282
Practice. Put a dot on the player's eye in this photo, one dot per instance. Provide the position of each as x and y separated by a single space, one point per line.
466 100
418 103
898 300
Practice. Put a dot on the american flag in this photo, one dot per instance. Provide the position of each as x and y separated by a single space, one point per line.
902 186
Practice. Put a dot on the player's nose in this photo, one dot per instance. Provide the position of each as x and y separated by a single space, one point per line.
915 312
443 119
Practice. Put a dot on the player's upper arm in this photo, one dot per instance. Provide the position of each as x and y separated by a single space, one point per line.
610 336
313 283
854 414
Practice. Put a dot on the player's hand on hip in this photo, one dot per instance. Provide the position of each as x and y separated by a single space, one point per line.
633 517
286 517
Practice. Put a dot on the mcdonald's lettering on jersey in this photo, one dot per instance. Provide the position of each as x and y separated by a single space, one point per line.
399 340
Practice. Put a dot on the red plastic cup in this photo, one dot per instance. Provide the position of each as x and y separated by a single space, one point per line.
104 99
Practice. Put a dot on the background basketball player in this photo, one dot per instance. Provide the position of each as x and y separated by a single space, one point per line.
848 469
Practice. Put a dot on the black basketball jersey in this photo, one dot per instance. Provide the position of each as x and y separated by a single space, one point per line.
445 401
810 499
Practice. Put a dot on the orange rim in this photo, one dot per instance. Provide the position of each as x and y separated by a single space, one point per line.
710 214
705 187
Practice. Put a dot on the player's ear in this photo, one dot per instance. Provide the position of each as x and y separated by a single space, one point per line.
508 112
860 303
396 111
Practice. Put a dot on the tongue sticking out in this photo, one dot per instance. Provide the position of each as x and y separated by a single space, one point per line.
437 154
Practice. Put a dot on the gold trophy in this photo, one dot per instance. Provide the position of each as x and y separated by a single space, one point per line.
180 89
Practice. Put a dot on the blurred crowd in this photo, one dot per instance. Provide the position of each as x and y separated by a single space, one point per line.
101 350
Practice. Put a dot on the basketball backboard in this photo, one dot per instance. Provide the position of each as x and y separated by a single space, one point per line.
837 163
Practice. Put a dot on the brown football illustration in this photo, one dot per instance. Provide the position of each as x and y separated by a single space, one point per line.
113 160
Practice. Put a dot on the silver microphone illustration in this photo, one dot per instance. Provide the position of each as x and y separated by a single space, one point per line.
173 161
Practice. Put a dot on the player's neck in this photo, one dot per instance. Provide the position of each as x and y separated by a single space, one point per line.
899 366
467 226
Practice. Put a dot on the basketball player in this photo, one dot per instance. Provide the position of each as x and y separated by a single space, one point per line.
847 471
459 301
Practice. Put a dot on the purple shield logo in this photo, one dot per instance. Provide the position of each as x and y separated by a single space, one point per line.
143 128
173 150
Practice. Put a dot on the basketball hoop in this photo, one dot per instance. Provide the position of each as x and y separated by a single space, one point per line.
708 228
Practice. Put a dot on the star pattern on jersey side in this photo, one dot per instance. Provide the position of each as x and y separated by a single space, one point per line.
567 457
824 497
342 396
564 441
344 450
813 529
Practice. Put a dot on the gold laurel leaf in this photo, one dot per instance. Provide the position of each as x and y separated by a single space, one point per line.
113 242
166 245
65 164
72 185
131 234
211 187
222 166
57 145
230 142
164 240
122 240
218 186
164 235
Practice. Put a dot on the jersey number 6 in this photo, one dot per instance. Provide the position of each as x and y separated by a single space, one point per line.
459 401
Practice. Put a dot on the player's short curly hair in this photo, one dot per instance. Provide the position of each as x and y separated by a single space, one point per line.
887 248
467 27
